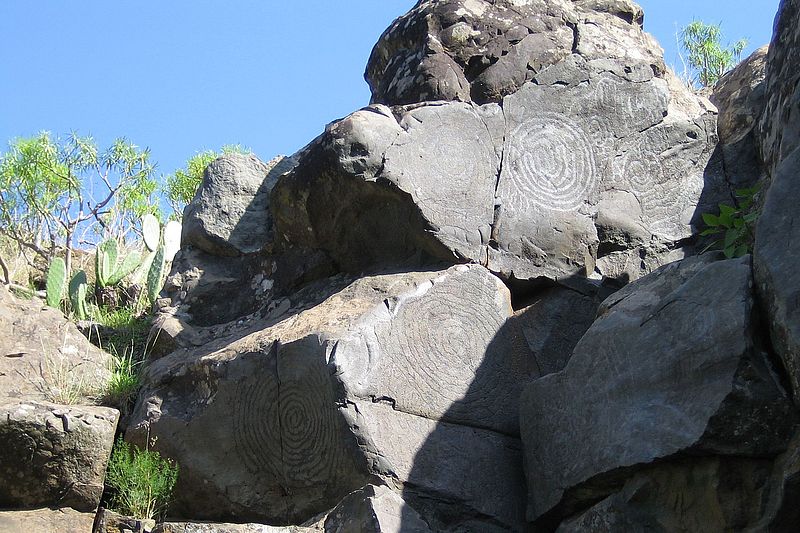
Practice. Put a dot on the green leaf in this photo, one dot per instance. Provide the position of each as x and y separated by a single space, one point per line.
729 252
711 220
731 236
741 250
709 231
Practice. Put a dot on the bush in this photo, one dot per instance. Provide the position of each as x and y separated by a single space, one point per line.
141 481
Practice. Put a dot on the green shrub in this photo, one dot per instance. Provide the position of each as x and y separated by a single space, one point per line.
734 225
141 481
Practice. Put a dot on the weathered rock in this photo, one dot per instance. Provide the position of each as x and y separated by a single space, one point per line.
779 127
781 511
589 169
44 357
373 509
778 234
669 367
473 49
229 214
64 520
596 162
550 326
702 494
110 522
54 454
400 376
740 98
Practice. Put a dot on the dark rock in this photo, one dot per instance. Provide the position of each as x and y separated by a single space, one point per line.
399 376
740 97
778 234
703 494
54 454
669 367
472 49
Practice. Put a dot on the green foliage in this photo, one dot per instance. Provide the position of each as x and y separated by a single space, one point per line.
181 187
109 269
124 382
141 481
56 280
707 56
77 295
155 276
56 191
734 225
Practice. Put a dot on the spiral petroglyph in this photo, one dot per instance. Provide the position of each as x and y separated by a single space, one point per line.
436 350
551 163
286 425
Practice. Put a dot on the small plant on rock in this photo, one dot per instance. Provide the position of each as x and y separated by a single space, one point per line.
735 226
141 481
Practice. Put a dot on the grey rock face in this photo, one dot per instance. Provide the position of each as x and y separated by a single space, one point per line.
373 510
598 169
400 376
704 494
44 356
229 215
779 127
54 454
668 367
777 234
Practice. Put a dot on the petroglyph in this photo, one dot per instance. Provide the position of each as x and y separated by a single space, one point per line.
550 162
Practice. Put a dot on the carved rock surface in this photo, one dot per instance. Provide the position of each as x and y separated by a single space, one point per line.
595 161
778 233
229 214
54 454
400 376
669 366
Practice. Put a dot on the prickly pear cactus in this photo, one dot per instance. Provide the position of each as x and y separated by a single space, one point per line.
77 295
105 262
172 239
56 280
151 231
155 277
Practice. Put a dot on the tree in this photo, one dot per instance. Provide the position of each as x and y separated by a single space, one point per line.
181 186
55 193
707 56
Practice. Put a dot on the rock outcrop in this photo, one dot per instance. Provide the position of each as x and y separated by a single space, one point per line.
399 328
777 235
670 367
54 441
304 408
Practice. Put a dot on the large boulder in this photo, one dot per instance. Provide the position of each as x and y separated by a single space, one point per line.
704 494
229 214
740 96
594 163
479 50
670 367
44 357
51 453
405 377
46 520
54 455
778 233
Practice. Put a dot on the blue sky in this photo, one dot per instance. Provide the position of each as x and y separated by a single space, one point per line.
180 76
